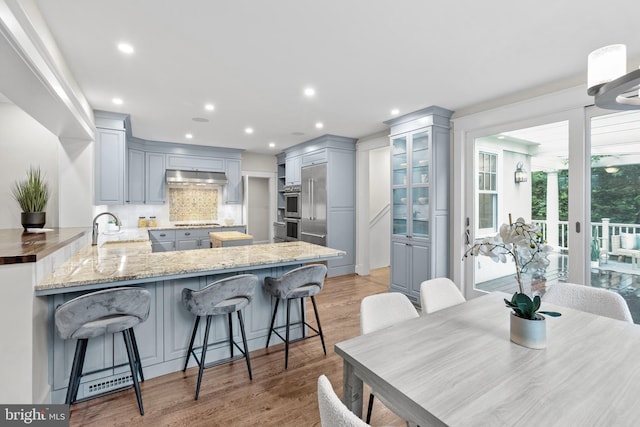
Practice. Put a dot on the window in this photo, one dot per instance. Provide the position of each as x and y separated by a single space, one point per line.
487 191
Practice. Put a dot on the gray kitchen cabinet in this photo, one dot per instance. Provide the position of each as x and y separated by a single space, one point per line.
314 158
410 268
184 239
135 178
192 238
338 154
420 151
293 165
109 166
154 182
234 186
196 163
146 180
162 240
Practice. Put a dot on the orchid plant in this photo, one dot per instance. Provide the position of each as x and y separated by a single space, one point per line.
524 244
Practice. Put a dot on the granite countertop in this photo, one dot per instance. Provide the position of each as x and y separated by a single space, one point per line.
131 261
17 246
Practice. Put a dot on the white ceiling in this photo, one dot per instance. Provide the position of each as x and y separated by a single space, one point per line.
252 59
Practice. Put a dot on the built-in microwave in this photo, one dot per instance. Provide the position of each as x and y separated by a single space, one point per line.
292 226
292 201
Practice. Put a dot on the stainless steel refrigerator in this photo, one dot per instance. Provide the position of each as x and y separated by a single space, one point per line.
314 205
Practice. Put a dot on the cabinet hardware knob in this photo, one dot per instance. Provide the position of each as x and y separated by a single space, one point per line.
187 234
162 235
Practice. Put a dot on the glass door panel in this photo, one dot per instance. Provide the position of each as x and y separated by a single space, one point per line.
542 153
615 203
400 193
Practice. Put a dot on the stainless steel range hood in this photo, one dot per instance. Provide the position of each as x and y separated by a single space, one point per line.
180 178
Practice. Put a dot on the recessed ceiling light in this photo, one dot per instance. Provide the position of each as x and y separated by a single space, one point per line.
395 111
319 125
309 91
117 101
501 137
125 48
209 107
272 144
188 135
248 130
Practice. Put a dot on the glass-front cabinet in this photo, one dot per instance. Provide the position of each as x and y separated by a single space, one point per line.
410 186
419 214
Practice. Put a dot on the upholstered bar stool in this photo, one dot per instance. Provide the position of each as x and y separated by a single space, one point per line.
224 296
299 283
99 313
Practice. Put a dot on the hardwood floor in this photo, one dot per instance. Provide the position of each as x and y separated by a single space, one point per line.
275 397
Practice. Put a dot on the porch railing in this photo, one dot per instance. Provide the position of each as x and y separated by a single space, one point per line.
603 230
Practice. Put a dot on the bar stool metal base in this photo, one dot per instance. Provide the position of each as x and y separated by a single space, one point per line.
135 364
202 361
286 339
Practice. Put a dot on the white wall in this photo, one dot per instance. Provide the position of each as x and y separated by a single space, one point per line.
25 142
379 197
258 209
259 162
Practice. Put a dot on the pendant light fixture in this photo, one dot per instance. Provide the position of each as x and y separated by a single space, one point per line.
608 80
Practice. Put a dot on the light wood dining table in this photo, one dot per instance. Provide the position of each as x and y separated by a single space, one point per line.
457 367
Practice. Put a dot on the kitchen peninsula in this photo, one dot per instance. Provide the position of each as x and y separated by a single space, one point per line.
163 339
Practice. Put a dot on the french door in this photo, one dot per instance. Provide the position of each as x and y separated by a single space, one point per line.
536 170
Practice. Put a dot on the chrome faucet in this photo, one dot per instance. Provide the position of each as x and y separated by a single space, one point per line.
94 236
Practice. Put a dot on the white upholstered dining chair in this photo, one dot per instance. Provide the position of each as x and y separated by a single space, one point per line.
333 413
381 311
598 301
439 293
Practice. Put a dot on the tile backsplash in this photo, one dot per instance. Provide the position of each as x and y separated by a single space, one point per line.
193 204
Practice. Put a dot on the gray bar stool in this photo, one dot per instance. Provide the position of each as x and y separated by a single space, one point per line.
100 313
298 283
224 296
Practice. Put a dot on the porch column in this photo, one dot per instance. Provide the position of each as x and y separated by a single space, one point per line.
553 214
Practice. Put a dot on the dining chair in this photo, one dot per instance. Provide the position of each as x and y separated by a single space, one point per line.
381 311
438 294
602 302
333 413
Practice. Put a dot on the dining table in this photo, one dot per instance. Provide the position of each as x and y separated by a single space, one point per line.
458 367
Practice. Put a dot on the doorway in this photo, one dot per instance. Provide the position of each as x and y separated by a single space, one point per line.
522 173
258 209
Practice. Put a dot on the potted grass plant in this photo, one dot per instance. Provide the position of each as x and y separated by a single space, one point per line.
522 243
32 194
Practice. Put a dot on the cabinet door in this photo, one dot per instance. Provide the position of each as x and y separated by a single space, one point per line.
400 266
161 246
234 186
292 170
154 178
187 244
420 267
109 167
399 186
420 181
213 164
135 177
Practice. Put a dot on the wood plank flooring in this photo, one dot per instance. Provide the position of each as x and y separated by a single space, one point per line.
275 397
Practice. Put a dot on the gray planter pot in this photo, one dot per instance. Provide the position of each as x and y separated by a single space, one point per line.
529 333
33 219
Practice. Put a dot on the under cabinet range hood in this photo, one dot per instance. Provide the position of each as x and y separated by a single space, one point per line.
181 178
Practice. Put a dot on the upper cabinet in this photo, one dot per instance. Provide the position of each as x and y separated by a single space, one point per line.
293 165
420 152
110 159
154 181
234 186
130 170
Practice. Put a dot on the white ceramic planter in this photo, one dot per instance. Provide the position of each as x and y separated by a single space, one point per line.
529 333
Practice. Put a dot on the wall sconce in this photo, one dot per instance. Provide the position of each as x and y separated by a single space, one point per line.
520 175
